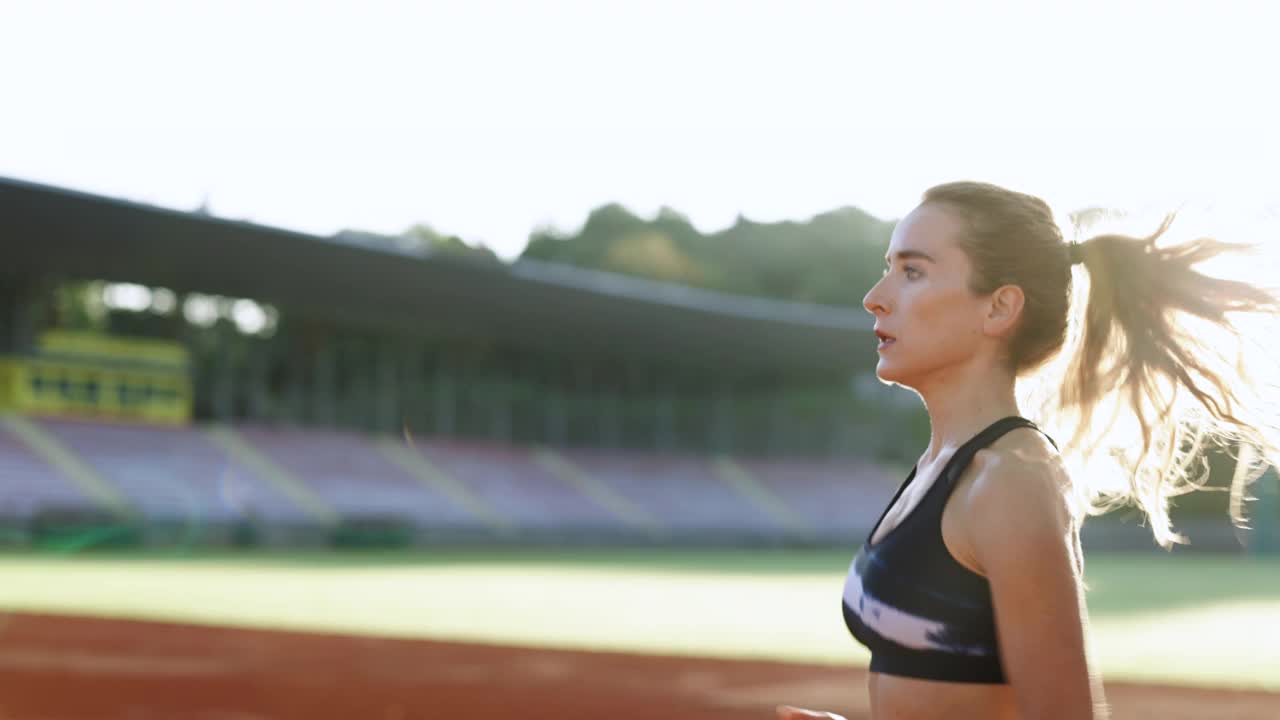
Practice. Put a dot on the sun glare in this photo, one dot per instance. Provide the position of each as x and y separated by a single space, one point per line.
1253 352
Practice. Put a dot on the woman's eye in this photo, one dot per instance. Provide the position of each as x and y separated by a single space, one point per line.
912 273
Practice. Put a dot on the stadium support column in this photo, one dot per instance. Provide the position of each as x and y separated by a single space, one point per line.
323 375
444 403
21 302
722 425
664 416
777 419
500 405
356 387
258 360
412 390
386 392
630 397
612 378
610 427
555 419
584 374
222 392
295 372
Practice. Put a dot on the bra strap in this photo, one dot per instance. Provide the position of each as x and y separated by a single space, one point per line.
964 455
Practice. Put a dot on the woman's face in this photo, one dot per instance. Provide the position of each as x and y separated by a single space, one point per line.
927 320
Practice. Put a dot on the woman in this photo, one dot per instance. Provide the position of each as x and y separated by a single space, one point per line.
969 590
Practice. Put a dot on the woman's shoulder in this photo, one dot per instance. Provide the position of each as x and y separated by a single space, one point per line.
1024 447
1021 471
1016 498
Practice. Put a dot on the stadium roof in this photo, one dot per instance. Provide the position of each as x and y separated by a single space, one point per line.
360 280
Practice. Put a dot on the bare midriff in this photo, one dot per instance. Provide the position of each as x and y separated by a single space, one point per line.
902 698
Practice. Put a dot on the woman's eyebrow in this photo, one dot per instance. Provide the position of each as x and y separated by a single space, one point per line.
909 253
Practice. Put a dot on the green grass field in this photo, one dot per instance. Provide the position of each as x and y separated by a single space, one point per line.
1192 619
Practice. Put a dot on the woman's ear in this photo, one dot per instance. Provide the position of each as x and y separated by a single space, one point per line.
1004 310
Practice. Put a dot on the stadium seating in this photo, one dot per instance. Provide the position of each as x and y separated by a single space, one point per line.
682 492
28 484
350 476
507 480
172 474
292 476
831 495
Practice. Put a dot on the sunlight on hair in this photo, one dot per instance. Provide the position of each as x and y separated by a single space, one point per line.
1247 354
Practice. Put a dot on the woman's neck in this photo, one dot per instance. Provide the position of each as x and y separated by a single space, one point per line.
963 404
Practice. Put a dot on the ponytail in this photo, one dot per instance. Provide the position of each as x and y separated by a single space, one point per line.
1156 341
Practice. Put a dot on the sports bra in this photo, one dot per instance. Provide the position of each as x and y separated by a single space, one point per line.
917 609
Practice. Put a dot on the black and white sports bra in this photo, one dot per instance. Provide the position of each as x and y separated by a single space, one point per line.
920 612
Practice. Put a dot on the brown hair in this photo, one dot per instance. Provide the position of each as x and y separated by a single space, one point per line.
1136 345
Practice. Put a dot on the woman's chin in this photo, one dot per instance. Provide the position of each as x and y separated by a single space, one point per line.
889 375
885 373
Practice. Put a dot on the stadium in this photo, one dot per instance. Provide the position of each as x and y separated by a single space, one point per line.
251 472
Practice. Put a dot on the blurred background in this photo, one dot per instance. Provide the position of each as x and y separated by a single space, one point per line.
388 359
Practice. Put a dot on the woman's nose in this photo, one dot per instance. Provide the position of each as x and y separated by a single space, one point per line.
872 302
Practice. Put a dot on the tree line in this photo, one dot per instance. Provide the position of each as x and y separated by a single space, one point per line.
830 259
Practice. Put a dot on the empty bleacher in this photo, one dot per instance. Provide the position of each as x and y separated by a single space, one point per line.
295 477
172 474
350 476
682 492
506 479
29 484
831 495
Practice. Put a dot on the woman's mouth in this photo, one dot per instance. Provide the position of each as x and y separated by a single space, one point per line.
885 340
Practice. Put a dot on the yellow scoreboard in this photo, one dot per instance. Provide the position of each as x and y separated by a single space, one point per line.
88 374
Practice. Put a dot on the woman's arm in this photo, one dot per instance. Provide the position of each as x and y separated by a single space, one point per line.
1024 539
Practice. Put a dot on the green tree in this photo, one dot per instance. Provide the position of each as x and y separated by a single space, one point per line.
832 258
424 238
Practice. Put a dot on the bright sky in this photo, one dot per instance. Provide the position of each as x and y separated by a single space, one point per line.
487 118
